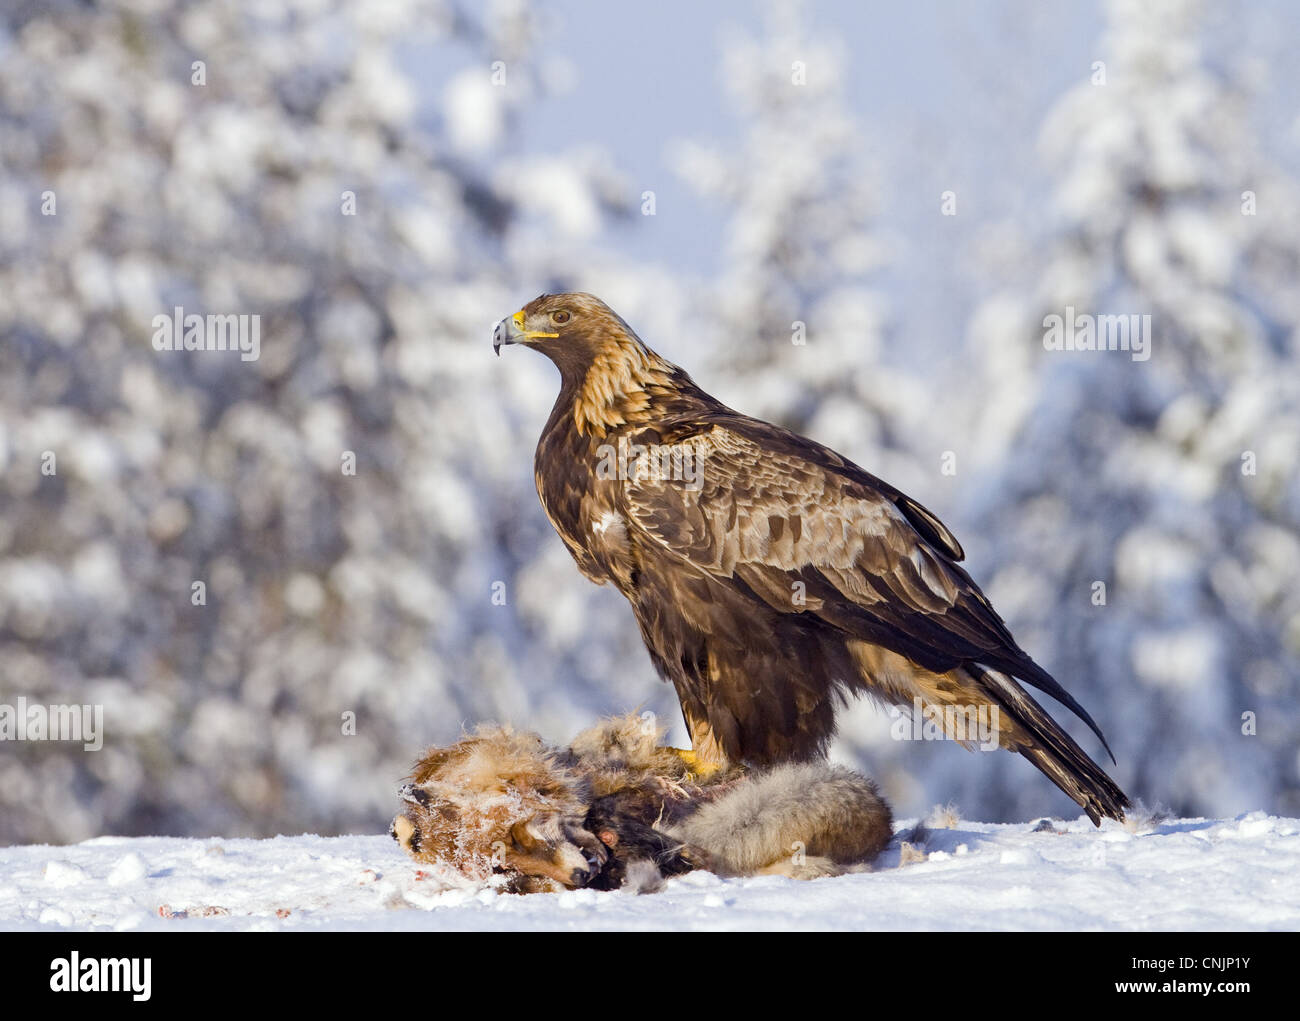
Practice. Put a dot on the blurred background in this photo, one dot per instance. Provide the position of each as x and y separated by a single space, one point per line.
921 184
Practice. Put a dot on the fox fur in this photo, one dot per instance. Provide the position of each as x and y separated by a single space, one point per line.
616 807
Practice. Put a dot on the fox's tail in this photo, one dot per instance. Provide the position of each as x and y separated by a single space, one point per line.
788 815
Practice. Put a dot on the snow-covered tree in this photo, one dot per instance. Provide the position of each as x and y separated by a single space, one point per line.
280 576
799 330
1145 519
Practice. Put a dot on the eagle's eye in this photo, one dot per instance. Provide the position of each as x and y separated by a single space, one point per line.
560 316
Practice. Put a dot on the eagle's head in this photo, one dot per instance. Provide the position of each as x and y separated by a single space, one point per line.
605 368
571 329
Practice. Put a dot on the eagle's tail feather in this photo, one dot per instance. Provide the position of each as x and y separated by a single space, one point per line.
1031 673
1053 751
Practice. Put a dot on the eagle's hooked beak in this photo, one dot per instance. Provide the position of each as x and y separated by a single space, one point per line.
508 331
511 331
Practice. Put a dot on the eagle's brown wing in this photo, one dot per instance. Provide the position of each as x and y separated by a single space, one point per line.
807 533
804 533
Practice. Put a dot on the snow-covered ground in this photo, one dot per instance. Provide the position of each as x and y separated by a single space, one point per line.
1242 873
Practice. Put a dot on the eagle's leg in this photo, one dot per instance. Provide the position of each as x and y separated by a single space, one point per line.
696 765
705 756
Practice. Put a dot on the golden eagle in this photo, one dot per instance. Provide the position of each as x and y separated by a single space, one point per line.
769 575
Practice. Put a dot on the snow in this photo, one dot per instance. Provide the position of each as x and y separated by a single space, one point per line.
1182 874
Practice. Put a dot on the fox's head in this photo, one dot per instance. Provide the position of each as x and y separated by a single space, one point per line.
500 803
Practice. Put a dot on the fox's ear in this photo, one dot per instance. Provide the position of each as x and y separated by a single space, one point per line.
407 835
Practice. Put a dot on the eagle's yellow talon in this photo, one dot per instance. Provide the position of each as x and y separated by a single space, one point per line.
696 766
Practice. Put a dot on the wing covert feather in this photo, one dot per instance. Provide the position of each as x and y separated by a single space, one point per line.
770 509
772 517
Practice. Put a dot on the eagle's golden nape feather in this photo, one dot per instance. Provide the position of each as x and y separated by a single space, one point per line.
774 577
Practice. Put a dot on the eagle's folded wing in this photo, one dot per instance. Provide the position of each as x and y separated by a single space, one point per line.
808 532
